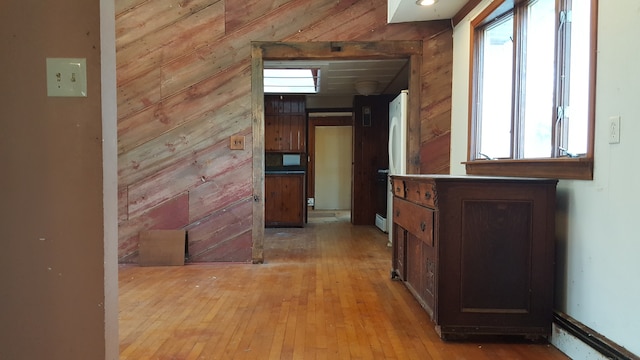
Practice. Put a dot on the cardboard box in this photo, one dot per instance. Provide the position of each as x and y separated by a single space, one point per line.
161 247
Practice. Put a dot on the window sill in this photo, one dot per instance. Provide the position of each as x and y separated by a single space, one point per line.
560 168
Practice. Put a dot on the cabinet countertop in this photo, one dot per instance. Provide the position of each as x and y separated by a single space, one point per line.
476 178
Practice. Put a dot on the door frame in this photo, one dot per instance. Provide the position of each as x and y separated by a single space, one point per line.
376 50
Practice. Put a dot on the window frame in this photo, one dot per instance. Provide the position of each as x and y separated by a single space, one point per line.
556 166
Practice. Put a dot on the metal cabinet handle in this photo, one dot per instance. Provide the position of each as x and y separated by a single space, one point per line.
427 195
423 226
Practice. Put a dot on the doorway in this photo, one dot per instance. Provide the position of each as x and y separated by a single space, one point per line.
333 158
262 51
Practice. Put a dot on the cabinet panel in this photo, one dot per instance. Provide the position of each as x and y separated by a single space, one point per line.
400 252
499 230
414 264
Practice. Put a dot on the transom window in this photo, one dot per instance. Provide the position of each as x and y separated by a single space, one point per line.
533 88
291 81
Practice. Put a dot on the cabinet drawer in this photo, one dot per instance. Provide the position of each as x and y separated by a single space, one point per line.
417 220
423 193
398 188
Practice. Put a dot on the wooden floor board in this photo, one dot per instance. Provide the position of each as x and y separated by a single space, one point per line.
324 292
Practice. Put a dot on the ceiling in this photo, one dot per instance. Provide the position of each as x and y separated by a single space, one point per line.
399 11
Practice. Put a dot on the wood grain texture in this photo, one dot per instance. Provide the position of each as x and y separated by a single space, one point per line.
170 215
435 155
324 293
370 153
185 86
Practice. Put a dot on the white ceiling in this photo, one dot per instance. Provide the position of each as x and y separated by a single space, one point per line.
399 11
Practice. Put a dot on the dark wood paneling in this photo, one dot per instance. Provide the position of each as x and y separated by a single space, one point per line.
370 153
184 87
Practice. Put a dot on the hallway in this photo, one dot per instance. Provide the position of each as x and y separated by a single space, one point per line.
323 293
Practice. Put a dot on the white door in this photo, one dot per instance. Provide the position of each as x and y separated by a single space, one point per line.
333 167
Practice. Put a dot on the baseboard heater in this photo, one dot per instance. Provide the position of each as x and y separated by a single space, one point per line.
592 338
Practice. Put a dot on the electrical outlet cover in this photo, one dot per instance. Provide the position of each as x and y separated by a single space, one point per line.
237 142
614 130
67 77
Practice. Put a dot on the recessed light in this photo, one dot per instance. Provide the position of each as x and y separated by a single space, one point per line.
426 2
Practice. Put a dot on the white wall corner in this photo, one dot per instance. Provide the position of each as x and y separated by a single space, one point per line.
392 10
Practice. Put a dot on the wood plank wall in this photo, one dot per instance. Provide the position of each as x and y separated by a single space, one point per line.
184 87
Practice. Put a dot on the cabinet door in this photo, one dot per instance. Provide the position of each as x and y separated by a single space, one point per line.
298 134
292 199
271 195
285 123
284 200
271 133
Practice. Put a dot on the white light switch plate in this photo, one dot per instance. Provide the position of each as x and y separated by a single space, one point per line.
67 77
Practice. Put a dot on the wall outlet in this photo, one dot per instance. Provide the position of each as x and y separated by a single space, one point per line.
614 130
237 142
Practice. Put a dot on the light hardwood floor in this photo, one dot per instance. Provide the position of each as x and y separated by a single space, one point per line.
323 293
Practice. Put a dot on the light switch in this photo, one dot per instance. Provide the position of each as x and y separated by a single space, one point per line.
67 77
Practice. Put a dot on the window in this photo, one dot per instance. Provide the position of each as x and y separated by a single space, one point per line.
286 81
533 89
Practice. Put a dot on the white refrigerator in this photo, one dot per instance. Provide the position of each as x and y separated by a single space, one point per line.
397 148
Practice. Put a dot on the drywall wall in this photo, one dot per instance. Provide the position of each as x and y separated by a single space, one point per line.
52 233
597 239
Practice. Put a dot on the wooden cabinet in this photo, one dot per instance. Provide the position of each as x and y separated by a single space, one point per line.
285 127
477 252
284 200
